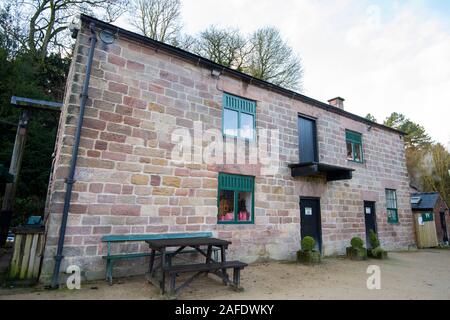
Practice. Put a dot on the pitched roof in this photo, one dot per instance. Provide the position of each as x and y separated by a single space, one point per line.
427 200
234 73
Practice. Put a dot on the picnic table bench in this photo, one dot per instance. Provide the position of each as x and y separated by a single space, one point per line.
211 265
110 239
201 268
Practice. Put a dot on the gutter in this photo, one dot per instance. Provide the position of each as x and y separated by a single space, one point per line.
198 60
73 161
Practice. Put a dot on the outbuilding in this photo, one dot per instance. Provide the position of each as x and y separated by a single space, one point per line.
432 219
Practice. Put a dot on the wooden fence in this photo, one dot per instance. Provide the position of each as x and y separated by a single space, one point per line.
425 230
28 250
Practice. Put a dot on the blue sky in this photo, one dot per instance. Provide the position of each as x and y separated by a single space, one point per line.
380 55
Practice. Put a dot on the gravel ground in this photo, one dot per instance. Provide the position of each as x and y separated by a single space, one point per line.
424 274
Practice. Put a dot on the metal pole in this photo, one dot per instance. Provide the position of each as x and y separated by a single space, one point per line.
73 162
14 170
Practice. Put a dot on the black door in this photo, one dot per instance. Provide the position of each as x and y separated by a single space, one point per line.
307 140
370 220
444 227
310 221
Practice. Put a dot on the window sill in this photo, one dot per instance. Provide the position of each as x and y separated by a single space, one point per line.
354 161
235 222
393 222
237 137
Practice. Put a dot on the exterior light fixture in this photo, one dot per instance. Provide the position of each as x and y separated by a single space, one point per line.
107 36
215 73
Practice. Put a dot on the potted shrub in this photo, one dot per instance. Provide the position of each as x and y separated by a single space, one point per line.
307 254
357 250
376 252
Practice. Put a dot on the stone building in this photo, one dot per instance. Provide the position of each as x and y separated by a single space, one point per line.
317 170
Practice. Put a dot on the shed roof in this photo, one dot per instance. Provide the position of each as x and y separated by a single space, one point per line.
427 200
234 73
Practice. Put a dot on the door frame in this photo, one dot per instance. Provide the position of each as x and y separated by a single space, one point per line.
319 220
374 217
443 226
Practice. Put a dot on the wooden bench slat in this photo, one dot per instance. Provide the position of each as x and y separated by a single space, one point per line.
206 267
145 254
127 256
144 237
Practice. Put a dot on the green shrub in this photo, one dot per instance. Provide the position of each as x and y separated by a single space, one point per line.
379 253
308 243
357 243
374 242
308 257
356 253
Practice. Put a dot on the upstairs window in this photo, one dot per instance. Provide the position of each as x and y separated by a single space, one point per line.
354 146
235 199
391 206
238 117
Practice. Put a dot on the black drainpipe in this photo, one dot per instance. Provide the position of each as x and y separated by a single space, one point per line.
73 161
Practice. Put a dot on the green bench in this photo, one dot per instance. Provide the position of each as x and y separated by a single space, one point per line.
110 239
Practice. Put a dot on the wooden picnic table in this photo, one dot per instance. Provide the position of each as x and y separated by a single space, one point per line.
164 267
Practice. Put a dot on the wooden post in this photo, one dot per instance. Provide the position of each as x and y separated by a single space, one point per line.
14 169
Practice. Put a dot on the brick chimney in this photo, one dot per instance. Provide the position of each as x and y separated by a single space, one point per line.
337 102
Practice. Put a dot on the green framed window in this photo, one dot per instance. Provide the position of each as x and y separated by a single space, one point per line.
239 117
235 200
391 206
354 146
427 216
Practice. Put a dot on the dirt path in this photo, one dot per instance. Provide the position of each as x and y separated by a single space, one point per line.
408 275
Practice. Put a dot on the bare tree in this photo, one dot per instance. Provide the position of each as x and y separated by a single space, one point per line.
263 55
272 59
185 41
223 46
157 19
44 21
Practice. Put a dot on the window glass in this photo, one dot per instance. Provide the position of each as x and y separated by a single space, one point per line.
392 215
226 205
357 148
247 126
230 122
349 151
391 199
391 206
244 206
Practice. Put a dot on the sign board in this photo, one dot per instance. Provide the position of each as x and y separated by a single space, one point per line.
308 211
420 220
427 217
368 211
